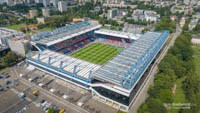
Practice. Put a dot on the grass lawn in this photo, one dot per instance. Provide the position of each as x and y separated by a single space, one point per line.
179 95
96 53
3 69
16 27
170 38
197 60
121 111
41 30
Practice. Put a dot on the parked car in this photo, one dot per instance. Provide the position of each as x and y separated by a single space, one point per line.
1 89
21 95
42 101
1 77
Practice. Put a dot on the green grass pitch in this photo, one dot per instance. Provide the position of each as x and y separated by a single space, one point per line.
97 53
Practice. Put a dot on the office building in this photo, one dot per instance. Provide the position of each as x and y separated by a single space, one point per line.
46 3
33 13
38 1
55 3
10 2
112 13
45 12
62 6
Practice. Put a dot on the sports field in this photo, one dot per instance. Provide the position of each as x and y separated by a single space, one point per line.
97 53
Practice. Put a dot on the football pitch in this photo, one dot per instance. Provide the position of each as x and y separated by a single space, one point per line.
97 53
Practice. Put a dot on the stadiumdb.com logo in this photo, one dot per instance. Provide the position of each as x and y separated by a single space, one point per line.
179 105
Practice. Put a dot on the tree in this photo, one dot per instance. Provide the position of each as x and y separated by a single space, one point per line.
51 110
5 61
197 28
145 30
152 106
143 109
183 47
9 59
163 81
165 95
191 85
186 27
176 64
173 63
166 24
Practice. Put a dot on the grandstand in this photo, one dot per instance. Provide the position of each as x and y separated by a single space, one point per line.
113 65
6 34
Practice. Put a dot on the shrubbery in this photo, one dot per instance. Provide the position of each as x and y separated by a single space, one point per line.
176 64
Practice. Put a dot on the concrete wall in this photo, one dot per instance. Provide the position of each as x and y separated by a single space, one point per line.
19 47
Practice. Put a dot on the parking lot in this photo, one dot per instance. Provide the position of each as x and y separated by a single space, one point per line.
51 88
12 103
54 85
51 93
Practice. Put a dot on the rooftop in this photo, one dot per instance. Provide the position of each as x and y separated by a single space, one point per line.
58 35
132 61
117 34
9 33
3 47
83 68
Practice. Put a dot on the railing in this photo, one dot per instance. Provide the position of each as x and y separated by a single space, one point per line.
60 70
38 36
135 72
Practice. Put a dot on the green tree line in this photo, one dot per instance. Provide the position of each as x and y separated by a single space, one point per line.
9 59
176 64
166 24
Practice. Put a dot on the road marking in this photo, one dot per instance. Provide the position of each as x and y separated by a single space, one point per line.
54 97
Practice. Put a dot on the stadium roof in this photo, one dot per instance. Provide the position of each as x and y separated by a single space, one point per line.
10 33
3 47
117 34
83 68
58 35
127 67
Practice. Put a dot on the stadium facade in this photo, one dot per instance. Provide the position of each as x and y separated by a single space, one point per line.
116 82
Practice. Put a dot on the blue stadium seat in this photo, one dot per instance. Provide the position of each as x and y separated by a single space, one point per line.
41 47
52 47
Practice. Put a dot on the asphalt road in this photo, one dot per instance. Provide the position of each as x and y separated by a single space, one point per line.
73 108
142 96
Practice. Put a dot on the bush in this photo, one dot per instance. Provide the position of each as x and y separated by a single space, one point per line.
166 24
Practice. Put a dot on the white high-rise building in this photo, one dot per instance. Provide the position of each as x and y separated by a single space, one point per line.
33 13
2 1
186 2
10 2
112 13
55 3
38 1
194 2
28 1
45 12
62 6
190 2
46 3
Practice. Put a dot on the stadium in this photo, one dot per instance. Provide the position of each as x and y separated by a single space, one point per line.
113 65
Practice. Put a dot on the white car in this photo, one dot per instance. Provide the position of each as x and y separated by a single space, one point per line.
41 84
21 75
52 90
65 96
21 95
30 79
